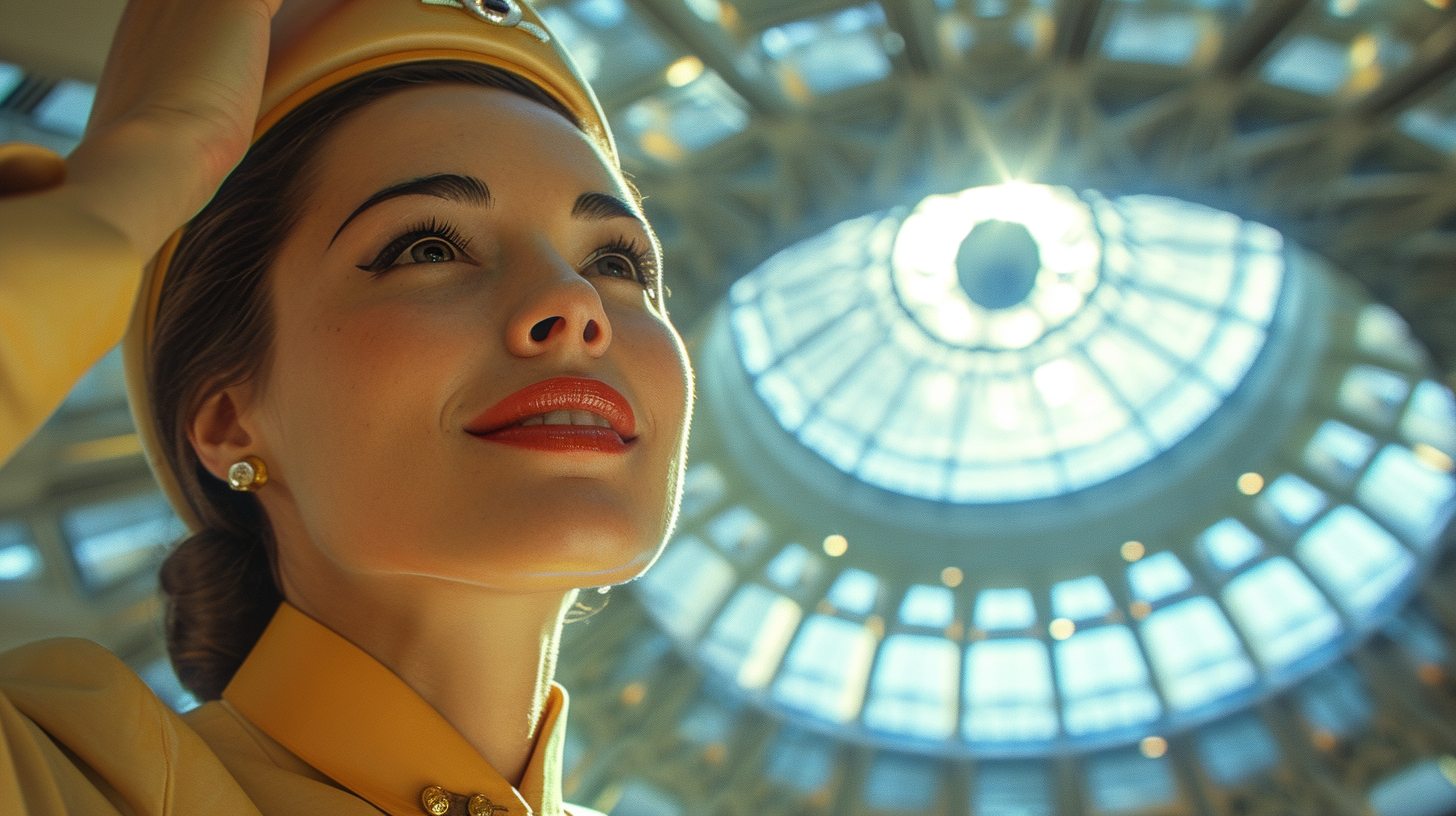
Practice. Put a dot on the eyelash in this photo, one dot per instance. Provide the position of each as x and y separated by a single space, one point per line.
643 263
385 260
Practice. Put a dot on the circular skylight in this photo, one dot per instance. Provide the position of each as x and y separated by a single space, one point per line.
1008 342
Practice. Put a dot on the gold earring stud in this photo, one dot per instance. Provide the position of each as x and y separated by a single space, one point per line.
247 474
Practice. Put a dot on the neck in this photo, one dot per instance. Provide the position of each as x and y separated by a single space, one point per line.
484 660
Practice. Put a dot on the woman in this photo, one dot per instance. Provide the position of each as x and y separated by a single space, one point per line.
407 376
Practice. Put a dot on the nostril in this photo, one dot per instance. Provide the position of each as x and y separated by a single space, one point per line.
591 332
542 330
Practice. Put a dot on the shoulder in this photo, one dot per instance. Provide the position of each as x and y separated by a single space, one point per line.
77 708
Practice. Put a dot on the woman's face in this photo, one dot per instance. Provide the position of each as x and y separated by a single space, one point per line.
471 376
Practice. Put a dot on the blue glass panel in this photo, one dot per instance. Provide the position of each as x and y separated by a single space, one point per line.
1373 394
738 530
1229 544
1410 496
902 784
998 609
1008 691
1431 417
1012 789
645 799
749 637
1381 332
1127 782
600 13
1338 452
115 540
1427 787
800 761
1424 124
66 108
686 585
1418 637
1158 576
789 568
1309 64
1195 653
1281 614
927 606
10 78
1103 680
914 688
1357 560
854 591
1161 39
1290 501
707 722
19 558
1336 701
162 680
830 53
826 669
1081 598
1235 749
703 487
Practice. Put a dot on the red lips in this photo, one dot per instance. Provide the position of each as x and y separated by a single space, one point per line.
502 422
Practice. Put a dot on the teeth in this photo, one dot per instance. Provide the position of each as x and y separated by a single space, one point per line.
567 418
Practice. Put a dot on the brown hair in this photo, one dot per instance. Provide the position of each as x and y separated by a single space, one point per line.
214 330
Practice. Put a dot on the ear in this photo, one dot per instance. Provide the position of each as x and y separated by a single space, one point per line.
218 434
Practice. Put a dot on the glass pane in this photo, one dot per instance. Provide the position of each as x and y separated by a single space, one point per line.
1408 494
1229 544
1081 598
1236 749
1000 609
1008 691
749 637
801 762
1104 681
914 689
703 487
927 606
1373 394
19 559
1338 452
829 53
1336 701
1195 653
1356 559
738 530
826 669
1290 502
1280 612
902 784
1127 782
1381 332
791 567
1158 576
686 585
854 591
1431 417
115 540
1012 789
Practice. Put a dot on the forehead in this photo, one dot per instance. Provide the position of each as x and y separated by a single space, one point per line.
500 136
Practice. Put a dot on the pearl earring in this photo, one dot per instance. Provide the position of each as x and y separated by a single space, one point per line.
247 474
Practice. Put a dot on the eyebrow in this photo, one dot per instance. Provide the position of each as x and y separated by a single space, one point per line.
449 186
602 207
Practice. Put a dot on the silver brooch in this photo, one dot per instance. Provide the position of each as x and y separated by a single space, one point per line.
505 13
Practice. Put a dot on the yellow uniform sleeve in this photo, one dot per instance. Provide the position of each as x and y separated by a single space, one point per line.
80 733
67 282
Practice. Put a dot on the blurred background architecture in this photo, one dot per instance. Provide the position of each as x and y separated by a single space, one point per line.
1075 431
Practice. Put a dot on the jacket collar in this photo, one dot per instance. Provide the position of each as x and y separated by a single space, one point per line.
344 713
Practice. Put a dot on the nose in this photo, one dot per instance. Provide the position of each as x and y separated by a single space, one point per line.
560 311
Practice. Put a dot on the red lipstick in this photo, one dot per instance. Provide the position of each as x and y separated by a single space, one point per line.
503 422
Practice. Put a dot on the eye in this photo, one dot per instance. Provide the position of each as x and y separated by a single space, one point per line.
431 250
613 265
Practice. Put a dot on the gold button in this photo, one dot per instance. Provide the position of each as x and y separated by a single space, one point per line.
481 806
435 800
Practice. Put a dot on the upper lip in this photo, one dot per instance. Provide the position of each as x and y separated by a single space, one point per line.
559 394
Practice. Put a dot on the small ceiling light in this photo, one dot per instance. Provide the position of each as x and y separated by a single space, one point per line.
1250 484
632 694
952 577
835 545
1061 629
1431 457
684 70
1133 550
1139 609
1153 747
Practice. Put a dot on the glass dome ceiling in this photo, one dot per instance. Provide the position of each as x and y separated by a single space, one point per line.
1008 342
